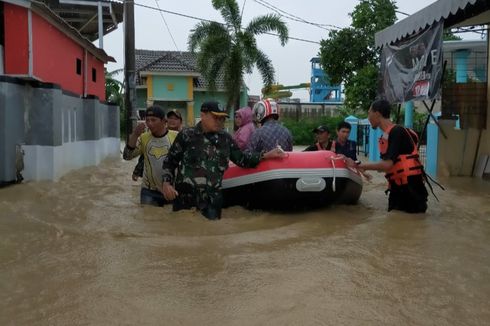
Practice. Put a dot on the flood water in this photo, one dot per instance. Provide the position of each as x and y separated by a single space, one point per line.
82 251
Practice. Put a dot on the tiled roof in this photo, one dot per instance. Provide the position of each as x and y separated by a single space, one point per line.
171 61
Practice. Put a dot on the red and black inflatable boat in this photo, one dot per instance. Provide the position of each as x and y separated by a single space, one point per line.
300 180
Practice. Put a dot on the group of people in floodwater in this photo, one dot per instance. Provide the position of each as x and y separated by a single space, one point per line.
185 166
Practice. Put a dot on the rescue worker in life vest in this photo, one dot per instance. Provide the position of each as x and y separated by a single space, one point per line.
399 161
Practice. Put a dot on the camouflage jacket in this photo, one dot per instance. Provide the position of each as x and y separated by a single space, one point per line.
200 160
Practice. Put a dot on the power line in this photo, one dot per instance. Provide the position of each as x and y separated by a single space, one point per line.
168 28
211 21
287 15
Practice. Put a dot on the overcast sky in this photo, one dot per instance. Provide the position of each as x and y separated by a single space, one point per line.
291 62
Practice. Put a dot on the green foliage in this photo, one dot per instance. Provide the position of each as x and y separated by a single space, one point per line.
230 50
448 36
114 93
302 130
349 56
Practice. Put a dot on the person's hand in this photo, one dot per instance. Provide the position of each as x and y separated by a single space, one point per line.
169 191
348 161
277 152
139 129
366 175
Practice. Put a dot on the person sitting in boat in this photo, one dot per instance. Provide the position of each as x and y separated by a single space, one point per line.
194 167
342 145
271 133
323 142
244 122
153 145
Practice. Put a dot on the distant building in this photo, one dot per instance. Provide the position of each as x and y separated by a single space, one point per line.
321 90
172 80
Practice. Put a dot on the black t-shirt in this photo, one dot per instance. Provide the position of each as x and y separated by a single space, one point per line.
314 147
399 142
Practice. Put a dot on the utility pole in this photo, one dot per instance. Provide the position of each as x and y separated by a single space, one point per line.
129 67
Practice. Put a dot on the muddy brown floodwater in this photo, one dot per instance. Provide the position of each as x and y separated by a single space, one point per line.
82 251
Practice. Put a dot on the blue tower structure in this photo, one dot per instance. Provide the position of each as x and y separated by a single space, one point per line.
320 89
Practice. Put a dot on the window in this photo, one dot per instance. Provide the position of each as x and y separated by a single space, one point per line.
79 66
94 75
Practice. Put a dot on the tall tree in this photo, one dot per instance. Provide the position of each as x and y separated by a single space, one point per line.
349 55
231 50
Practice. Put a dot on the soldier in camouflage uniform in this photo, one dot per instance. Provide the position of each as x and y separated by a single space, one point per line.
200 157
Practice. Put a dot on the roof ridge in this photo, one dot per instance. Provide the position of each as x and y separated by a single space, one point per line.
153 61
178 56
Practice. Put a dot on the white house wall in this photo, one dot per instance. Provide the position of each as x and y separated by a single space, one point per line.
57 131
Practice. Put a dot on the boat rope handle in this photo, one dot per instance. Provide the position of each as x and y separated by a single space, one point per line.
333 181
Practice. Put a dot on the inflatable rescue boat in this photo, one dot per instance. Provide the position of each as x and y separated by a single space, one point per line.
298 181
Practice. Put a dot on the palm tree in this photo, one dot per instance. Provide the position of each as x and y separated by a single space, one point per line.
231 50
114 93
113 87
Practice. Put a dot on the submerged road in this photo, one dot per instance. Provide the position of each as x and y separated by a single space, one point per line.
82 251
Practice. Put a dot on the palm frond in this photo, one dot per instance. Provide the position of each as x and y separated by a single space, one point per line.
204 30
265 67
269 23
230 11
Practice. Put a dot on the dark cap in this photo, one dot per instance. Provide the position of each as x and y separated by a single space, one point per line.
321 129
175 113
214 107
155 111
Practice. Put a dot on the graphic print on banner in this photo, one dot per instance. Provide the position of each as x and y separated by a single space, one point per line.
411 69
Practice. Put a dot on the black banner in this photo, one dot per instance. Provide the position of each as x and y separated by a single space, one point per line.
412 68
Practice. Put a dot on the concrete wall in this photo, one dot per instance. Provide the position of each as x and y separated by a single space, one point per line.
58 131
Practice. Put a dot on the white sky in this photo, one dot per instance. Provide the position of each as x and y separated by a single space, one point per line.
291 62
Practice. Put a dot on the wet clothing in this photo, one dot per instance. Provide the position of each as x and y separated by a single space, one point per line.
154 149
318 147
152 197
200 160
267 137
349 149
245 130
139 167
412 196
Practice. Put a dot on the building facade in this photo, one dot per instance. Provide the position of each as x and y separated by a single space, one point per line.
171 80
53 114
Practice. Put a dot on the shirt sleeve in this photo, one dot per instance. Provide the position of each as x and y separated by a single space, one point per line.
289 147
353 150
397 140
310 148
254 144
130 153
245 159
173 158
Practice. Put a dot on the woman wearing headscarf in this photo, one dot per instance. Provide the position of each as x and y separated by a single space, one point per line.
244 121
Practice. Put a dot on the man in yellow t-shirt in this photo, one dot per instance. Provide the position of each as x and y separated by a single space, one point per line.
153 145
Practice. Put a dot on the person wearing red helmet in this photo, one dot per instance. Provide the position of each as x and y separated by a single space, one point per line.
271 133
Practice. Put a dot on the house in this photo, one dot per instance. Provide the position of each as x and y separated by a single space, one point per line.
459 151
171 80
52 91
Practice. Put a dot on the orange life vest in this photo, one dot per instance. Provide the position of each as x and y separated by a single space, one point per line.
405 165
